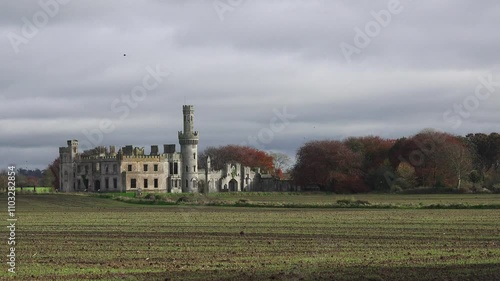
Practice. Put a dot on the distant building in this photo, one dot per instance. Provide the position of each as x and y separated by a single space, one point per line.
129 169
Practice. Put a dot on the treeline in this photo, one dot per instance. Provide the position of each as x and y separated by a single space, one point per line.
427 159
48 177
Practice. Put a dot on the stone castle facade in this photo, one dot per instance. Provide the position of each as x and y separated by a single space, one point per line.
130 169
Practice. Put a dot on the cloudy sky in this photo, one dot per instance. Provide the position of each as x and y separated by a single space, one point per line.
273 74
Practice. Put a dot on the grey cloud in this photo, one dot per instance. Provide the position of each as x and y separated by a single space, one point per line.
264 55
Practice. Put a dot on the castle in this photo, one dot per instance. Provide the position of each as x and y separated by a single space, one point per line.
129 169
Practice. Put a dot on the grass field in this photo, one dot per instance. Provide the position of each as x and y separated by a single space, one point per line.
37 189
72 237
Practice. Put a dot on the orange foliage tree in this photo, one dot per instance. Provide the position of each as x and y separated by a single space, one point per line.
374 151
247 156
331 165
439 159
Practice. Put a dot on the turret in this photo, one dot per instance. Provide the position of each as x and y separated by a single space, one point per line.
188 139
67 157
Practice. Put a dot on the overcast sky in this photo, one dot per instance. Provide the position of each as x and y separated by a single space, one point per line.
273 74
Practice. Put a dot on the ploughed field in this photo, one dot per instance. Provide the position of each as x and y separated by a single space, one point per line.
74 237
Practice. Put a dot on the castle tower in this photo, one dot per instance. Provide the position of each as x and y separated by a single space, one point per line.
188 139
67 166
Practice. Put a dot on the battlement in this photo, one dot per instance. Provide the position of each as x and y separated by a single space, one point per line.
141 156
186 109
98 157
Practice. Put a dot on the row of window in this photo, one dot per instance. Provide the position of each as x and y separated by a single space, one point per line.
145 167
97 183
106 183
96 167
133 183
173 168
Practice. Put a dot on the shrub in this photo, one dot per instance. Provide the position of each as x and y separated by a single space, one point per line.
150 196
495 188
396 188
352 203
183 199
474 176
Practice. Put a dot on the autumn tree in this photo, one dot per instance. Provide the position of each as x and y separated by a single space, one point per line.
486 152
375 163
48 178
245 155
406 178
439 159
54 169
331 165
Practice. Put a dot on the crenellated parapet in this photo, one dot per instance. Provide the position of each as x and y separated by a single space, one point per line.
143 158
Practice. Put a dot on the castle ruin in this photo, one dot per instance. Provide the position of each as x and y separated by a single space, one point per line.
130 169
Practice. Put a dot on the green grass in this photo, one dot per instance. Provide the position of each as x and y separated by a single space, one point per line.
39 189
77 237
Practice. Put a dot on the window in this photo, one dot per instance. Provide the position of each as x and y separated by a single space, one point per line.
155 167
187 184
171 168
145 167
133 183
176 168
130 168
187 168
155 183
114 168
106 183
106 169
175 183
194 168
194 155
115 183
145 183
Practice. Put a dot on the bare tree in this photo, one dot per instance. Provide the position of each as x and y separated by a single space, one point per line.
458 159
281 161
